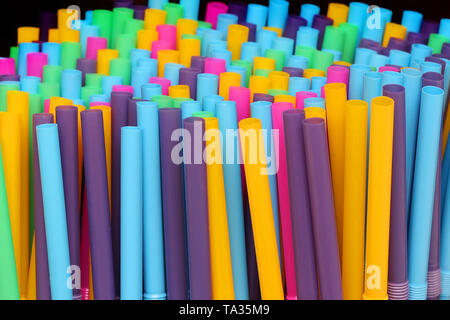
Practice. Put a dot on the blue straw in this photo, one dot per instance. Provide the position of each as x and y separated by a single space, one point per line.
24 49
139 77
190 8
53 51
209 102
307 36
241 70
257 14
30 84
172 72
108 82
131 214
315 102
249 50
357 15
378 60
71 84
412 20
362 55
400 58
207 84
298 62
137 54
284 44
297 84
265 39
308 11
278 13
87 31
224 20
154 271
227 115
54 211
157 4
355 86
189 107
151 89
422 200
429 66
392 77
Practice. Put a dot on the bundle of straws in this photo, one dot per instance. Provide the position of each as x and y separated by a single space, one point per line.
148 155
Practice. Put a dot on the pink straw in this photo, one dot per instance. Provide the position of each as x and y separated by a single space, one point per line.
35 63
47 105
168 32
7 66
283 198
213 9
215 66
165 84
93 45
338 74
388 68
159 45
241 96
301 96
100 103
122 88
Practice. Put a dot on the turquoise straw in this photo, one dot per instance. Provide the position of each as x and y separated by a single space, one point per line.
422 200
188 108
154 272
54 211
227 115
131 215
445 248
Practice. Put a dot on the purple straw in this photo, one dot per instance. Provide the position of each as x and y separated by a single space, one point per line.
188 76
132 112
42 273
251 30
139 11
238 8
198 62
123 3
47 21
119 119
263 97
399 44
369 44
86 66
293 72
305 266
439 61
397 274
322 209
173 207
292 24
446 49
197 214
9 77
414 37
428 27
320 22
96 184
67 121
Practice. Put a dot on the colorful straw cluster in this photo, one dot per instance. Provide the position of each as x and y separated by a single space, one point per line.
255 154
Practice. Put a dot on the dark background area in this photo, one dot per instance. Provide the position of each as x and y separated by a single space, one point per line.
26 13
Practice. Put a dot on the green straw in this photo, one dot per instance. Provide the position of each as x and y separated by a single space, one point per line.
125 43
35 103
174 12
163 101
48 90
204 25
191 36
14 53
277 92
86 92
52 73
6 86
262 72
248 67
9 287
279 56
176 102
436 41
103 19
132 26
94 80
120 16
203 114
350 38
121 67
307 52
322 60
70 53
333 39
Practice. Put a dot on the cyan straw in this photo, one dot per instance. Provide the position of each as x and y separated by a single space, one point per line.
54 210
131 224
154 274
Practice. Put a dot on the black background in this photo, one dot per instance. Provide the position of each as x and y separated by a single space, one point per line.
16 13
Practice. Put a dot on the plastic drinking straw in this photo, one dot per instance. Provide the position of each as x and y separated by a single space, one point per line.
154 279
7 66
166 56
171 72
188 76
322 209
392 77
333 38
379 184
98 204
238 8
31 285
190 9
263 97
362 55
30 84
336 98
298 84
120 16
412 20
388 68
104 58
320 22
54 210
6 86
67 121
278 55
277 13
188 48
179 91
131 244
51 74
237 35
224 20
356 115
163 82
210 101
173 207
420 51
436 42
338 74
301 96
371 86
357 15
414 37
168 34
24 49
9 288
227 80
207 84
412 83
86 32
70 52
301 212
151 89
338 12
314 102
93 45
71 84
86 66
257 14
174 12
285 98
157 4
188 108
397 276
119 119
228 113
293 72
263 227
58 101
27 34
350 32
283 196
422 208
163 101
35 63
198 62
278 80
121 67
429 66
213 9
399 44
145 39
